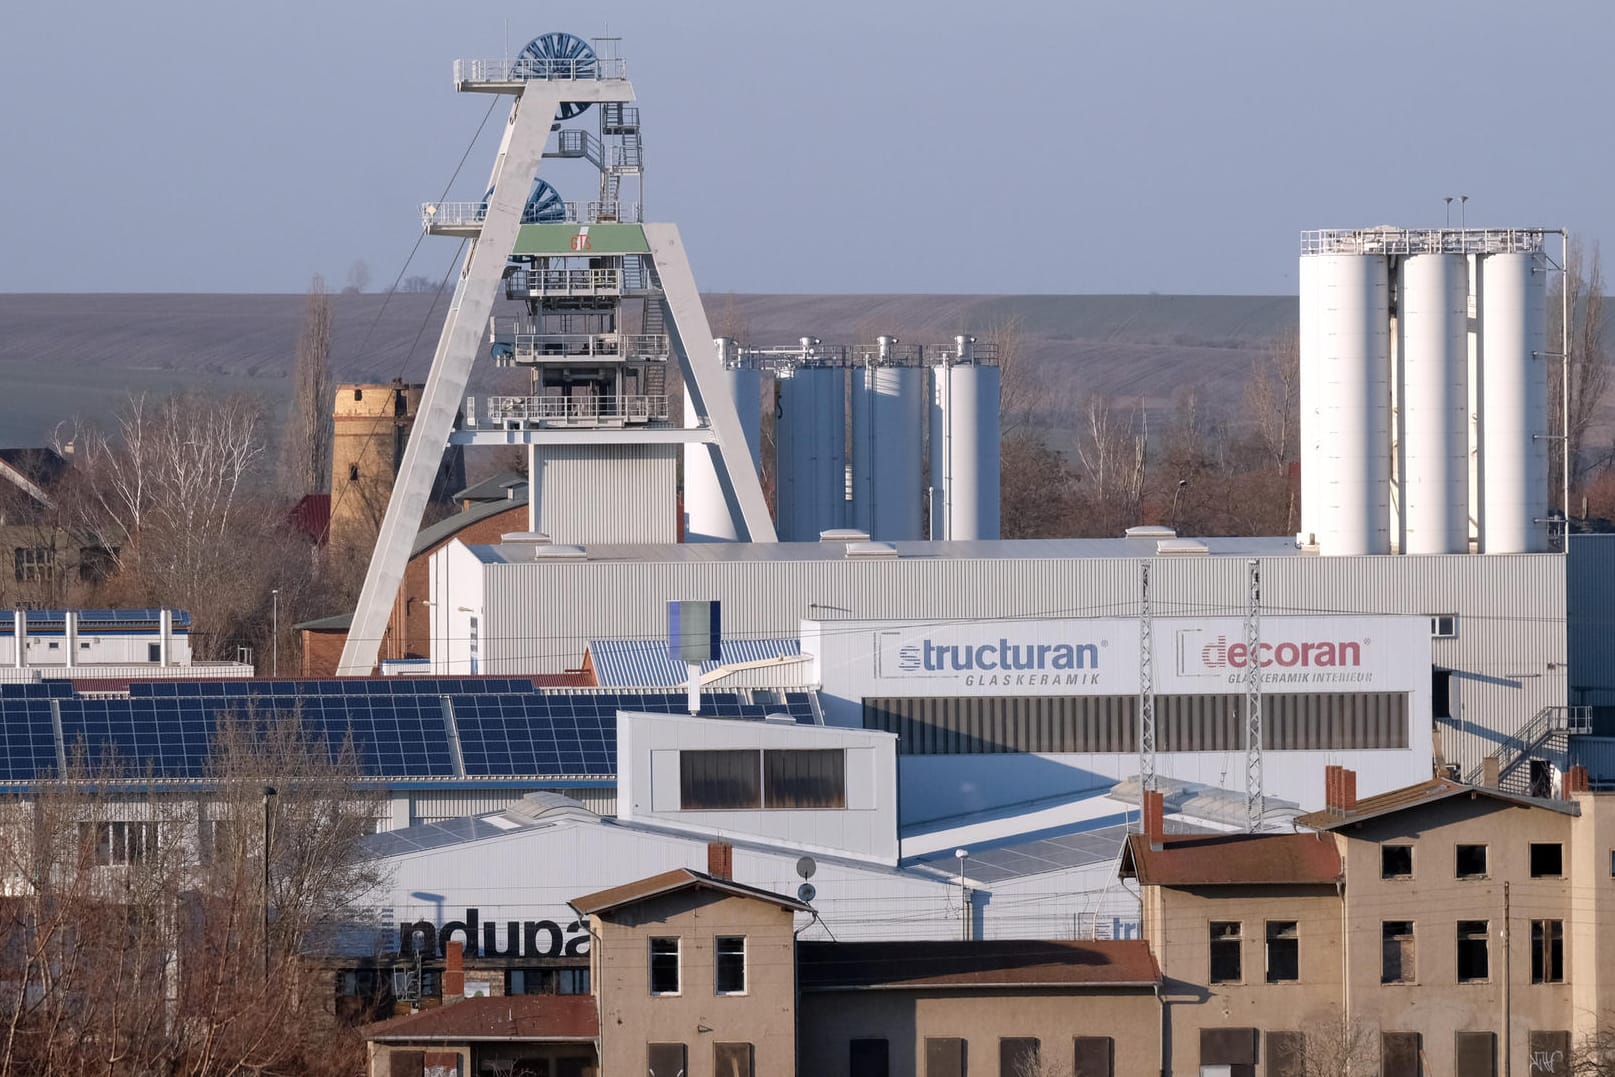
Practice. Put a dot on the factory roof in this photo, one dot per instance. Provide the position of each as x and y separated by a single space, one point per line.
644 663
1003 549
829 966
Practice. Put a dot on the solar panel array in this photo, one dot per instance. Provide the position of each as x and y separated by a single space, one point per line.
397 727
382 686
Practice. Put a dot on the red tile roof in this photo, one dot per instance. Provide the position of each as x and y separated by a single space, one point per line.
1233 860
828 966
510 1017
669 882
1419 795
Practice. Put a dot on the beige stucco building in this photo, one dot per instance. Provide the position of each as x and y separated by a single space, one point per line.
1438 929
695 976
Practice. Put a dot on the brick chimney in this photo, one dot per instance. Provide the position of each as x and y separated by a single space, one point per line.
1576 781
720 860
1154 816
1339 789
454 971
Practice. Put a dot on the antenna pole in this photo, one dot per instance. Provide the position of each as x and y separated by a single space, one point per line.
1253 697
1146 689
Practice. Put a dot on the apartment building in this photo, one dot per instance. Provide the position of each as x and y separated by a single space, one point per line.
1440 928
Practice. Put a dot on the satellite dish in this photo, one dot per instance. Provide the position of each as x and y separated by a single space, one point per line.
806 892
805 867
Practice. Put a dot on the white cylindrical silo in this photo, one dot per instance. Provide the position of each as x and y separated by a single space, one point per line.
707 516
1351 395
1309 446
888 435
811 463
1434 420
964 451
1514 404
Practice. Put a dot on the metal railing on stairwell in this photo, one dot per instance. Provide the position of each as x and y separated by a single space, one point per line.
1543 726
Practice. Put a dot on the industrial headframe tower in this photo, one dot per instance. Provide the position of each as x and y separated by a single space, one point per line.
608 301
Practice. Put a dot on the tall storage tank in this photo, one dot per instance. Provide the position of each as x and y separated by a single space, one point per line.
1352 403
888 435
1434 421
964 449
811 465
1309 445
707 514
1514 404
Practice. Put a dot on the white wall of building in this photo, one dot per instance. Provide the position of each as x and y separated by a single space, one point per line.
1101 656
648 783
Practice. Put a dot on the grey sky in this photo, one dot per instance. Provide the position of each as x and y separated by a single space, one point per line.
836 146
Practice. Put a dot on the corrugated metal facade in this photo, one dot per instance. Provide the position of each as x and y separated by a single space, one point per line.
1509 654
432 807
1342 721
606 493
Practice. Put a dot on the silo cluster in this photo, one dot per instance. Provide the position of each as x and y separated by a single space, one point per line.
851 432
1423 391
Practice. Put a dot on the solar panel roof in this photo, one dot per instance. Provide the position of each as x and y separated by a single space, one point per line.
476 733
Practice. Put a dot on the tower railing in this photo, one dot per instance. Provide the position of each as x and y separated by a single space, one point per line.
1422 241
526 412
563 282
540 69
467 215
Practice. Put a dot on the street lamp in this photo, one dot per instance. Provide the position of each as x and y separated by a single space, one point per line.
269 792
1181 484
964 897
274 632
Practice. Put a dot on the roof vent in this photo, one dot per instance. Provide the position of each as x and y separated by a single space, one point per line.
870 551
1181 547
844 534
1154 531
536 538
780 718
559 553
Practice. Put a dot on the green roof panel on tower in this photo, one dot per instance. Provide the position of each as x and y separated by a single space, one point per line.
581 239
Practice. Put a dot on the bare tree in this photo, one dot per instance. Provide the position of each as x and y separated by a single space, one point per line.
1113 451
175 497
138 934
1018 394
1581 288
306 449
358 277
1272 396
1593 1053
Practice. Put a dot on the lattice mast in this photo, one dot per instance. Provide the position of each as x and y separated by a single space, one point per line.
1146 689
1253 696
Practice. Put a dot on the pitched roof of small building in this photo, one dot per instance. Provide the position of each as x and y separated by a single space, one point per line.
494 488
828 966
506 1017
1232 860
434 534
1424 793
671 882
